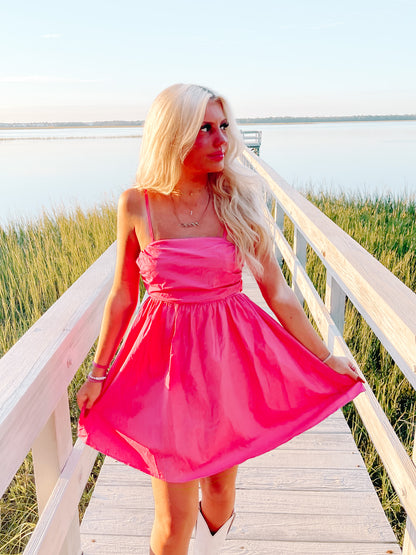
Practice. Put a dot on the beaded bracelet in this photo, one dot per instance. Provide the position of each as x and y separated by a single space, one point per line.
101 366
95 379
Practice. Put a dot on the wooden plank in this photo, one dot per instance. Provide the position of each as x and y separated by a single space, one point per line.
306 548
320 442
310 528
314 441
300 458
257 526
136 497
133 545
305 479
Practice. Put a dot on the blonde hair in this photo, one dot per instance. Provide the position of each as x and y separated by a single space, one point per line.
170 131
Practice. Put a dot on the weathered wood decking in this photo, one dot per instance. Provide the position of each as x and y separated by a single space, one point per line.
310 496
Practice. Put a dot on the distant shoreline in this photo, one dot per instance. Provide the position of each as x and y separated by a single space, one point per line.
240 121
324 119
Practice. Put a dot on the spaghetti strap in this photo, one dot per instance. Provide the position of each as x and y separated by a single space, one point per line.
149 220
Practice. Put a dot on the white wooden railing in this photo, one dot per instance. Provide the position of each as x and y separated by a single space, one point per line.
35 373
34 409
387 305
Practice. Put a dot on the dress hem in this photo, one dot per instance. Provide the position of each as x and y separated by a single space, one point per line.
255 448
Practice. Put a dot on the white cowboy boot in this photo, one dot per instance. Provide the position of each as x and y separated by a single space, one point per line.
206 543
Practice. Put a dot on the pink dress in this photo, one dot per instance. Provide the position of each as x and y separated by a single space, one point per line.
205 378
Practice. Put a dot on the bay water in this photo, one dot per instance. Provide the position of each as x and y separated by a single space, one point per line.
48 169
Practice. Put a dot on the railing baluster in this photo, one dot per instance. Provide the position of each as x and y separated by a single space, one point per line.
50 453
409 542
335 302
299 248
279 217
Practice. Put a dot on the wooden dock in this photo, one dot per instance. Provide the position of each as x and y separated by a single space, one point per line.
310 496
252 140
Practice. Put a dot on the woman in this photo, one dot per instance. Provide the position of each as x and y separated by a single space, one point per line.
204 378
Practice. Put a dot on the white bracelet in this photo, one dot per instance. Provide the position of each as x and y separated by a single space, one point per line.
327 357
97 379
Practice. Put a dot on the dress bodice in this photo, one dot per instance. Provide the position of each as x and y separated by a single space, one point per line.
192 269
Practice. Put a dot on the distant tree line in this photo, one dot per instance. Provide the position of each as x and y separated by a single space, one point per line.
242 121
115 123
315 119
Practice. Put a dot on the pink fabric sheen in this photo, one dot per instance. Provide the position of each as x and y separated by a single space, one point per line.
206 379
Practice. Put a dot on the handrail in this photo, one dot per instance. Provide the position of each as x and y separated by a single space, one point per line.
388 306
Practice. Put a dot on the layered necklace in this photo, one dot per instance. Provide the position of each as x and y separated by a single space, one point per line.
197 221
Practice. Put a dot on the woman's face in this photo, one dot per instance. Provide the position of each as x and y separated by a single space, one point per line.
208 151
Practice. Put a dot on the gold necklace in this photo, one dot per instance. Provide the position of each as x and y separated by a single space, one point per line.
194 223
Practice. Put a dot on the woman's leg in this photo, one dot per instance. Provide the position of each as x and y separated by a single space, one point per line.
218 498
176 509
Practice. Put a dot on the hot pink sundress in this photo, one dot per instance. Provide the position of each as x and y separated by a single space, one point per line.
205 379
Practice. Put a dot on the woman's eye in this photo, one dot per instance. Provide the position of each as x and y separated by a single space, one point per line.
224 125
206 127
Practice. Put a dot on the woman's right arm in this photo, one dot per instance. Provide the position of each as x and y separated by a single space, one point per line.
123 297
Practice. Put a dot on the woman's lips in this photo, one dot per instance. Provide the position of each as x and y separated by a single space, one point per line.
217 155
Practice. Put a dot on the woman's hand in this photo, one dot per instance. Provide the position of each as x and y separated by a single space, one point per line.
88 394
343 366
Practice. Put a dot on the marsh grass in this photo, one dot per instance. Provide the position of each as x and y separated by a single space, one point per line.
39 260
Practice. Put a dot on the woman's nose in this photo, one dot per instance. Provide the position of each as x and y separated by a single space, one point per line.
221 137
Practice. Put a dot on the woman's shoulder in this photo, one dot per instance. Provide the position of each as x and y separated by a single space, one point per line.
132 201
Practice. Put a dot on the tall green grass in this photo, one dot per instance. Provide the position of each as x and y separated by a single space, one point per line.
39 260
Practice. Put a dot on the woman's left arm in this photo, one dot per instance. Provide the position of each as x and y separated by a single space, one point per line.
285 305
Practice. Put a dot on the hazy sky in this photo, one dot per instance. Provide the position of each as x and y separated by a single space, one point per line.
102 60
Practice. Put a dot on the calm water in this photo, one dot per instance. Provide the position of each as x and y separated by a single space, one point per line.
54 168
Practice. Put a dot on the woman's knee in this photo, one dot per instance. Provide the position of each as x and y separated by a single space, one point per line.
174 528
220 486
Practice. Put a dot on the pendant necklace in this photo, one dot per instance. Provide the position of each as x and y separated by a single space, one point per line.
194 223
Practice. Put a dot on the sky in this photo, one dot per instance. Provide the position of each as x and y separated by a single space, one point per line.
96 60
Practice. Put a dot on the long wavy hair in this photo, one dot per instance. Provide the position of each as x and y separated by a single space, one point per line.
170 131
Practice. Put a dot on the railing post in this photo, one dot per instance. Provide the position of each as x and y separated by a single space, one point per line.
279 217
299 248
50 453
335 303
409 542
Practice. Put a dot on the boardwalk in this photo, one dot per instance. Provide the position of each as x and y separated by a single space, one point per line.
252 140
310 496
